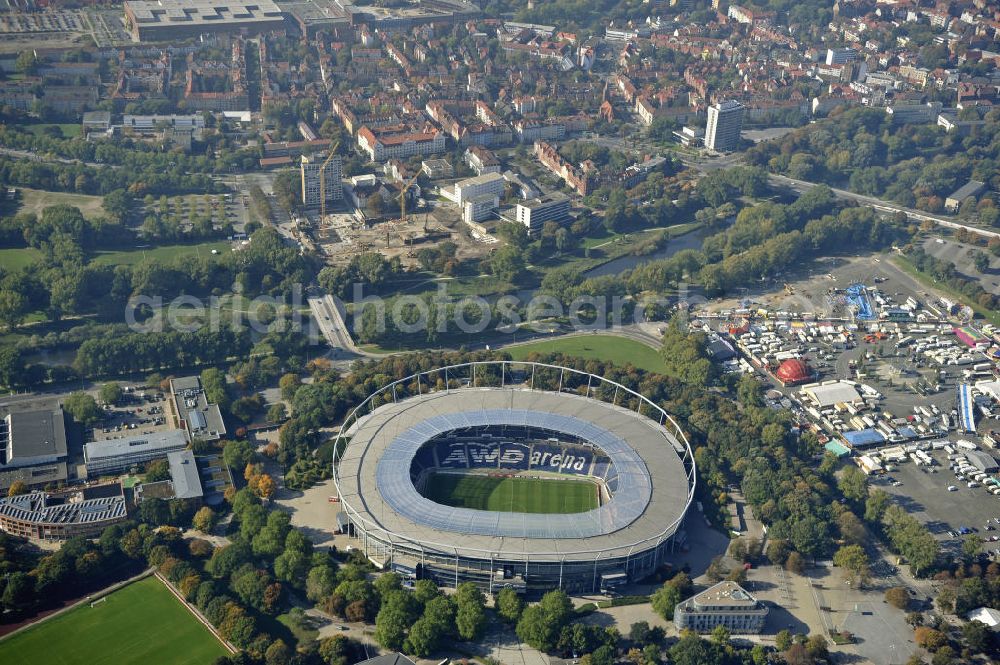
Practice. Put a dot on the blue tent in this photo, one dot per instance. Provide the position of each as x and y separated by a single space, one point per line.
863 438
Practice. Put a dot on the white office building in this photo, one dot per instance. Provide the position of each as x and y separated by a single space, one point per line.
552 207
840 56
725 122
902 114
114 455
310 170
150 122
725 604
478 208
487 184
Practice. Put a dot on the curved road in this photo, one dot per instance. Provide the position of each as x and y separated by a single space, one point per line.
802 186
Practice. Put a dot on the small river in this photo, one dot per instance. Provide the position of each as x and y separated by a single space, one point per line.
691 240
51 357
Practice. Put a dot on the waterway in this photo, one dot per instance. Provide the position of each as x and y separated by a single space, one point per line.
617 266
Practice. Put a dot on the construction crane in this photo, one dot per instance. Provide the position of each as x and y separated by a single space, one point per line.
322 181
402 206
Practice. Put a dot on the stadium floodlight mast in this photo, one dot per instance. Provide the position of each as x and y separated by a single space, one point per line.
636 541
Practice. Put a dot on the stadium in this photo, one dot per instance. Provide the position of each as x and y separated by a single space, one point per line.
513 474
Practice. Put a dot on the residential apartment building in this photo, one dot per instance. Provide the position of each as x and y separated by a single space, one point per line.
481 160
574 178
314 174
726 604
725 121
385 143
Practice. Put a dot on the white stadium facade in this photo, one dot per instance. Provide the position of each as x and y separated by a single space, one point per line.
513 419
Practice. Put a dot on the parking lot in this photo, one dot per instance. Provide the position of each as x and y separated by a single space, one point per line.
51 21
924 494
963 256
138 413
221 210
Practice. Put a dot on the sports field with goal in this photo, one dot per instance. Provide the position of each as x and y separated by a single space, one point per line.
140 624
517 495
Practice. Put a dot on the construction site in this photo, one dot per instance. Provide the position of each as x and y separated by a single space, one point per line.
342 234
337 221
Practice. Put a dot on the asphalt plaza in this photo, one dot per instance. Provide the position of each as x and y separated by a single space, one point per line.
925 495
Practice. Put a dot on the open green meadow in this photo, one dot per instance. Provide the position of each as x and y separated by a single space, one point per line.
139 624
620 351
517 495
161 253
68 130
15 259
36 200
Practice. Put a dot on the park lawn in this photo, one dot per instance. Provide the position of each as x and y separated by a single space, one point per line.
617 350
605 248
601 237
163 253
516 495
69 130
36 200
303 634
15 259
139 624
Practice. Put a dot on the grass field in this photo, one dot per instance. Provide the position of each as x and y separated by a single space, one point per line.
139 624
36 200
68 130
15 259
161 253
518 495
609 348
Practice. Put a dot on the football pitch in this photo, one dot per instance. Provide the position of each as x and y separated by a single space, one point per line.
517 495
139 624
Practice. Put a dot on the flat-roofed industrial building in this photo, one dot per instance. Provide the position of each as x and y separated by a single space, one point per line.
32 443
201 418
164 20
184 482
114 455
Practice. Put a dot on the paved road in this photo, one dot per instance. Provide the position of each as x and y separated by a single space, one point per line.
726 161
882 206
962 255
328 315
35 157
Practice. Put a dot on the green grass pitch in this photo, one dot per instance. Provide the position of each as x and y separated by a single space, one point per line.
139 624
517 495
